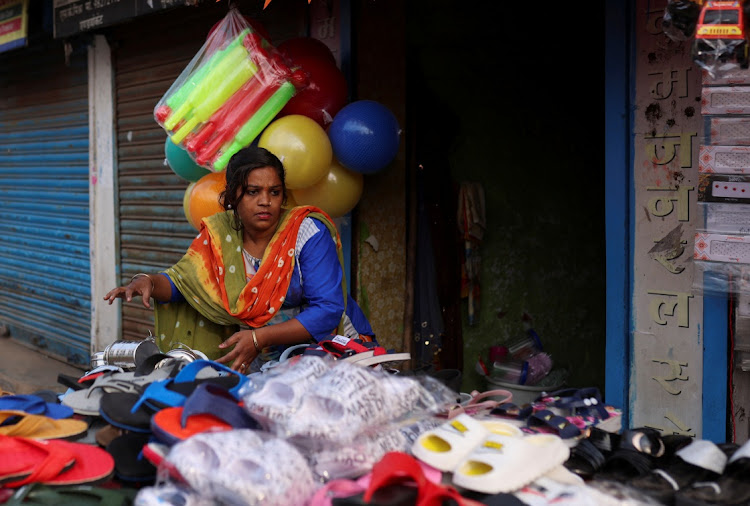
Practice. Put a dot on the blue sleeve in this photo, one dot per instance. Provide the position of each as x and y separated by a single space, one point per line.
176 294
321 284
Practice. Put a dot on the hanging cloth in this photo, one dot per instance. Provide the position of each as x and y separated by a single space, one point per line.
471 225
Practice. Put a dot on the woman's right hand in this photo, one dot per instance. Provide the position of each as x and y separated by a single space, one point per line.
141 285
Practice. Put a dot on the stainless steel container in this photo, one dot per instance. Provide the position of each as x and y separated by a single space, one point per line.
125 354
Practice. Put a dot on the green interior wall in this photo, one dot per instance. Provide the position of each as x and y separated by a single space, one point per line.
526 124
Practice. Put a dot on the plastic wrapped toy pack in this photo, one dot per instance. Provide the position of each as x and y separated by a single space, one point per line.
229 92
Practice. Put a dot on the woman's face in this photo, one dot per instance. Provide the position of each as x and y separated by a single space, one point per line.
259 208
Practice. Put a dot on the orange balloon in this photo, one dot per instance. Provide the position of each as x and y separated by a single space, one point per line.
186 203
204 199
337 193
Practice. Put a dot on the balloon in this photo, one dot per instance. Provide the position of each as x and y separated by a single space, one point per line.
290 201
204 199
302 146
365 136
324 96
337 193
181 164
306 47
186 204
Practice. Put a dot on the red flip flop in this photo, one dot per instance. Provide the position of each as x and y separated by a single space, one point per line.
38 460
209 408
93 465
20 457
52 466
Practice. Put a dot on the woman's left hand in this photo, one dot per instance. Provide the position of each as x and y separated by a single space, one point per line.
243 353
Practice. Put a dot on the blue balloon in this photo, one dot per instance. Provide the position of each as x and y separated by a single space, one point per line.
364 136
181 164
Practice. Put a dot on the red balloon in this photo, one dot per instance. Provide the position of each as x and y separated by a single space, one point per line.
306 47
254 24
325 95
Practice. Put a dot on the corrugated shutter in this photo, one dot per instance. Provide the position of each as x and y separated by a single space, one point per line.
45 275
150 53
153 231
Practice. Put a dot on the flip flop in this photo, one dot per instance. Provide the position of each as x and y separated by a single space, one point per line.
40 427
502 464
476 405
130 463
88 401
444 447
173 392
209 408
547 421
74 495
106 434
117 409
19 457
397 468
35 405
90 464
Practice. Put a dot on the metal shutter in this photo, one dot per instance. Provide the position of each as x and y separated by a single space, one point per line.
45 274
153 231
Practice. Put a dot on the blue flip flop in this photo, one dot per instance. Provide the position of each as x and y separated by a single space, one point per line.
173 392
35 405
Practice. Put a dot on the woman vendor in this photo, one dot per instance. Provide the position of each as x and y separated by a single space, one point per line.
255 277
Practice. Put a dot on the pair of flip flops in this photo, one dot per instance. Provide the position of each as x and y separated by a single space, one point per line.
490 457
51 462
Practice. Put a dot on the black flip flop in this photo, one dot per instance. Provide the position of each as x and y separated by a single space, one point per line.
729 488
130 464
703 461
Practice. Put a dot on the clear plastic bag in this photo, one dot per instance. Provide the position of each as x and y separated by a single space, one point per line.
722 263
229 92
720 44
273 397
357 457
680 19
350 400
242 467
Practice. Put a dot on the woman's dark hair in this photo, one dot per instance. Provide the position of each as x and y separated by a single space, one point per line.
240 165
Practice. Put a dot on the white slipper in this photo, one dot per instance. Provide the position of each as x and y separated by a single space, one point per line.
444 447
502 428
504 464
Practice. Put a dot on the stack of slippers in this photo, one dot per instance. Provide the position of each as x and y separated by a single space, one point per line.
133 410
51 462
131 415
355 350
729 487
700 461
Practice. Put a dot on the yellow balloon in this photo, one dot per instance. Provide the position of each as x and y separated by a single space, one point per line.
290 202
186 203
302 146
337 193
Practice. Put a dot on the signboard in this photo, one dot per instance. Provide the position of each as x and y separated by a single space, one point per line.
74 16
667 369
13 24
